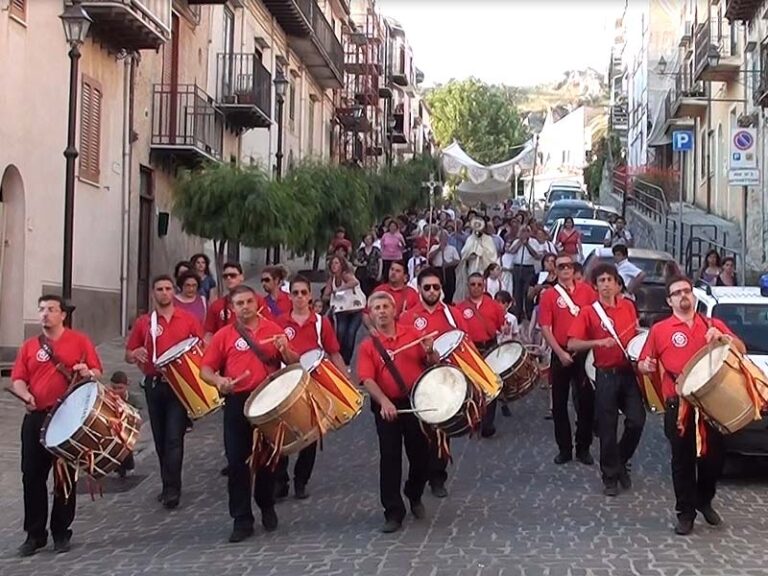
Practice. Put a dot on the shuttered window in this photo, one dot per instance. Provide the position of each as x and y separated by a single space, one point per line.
19 9
90 130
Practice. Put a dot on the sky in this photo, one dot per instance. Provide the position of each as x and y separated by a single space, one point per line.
515 42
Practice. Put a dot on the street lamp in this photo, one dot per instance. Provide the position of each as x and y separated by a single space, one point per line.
281 87
391 122
76 23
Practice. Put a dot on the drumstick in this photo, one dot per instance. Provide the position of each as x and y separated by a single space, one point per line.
416 410
13 392
412 344
242 376
270 339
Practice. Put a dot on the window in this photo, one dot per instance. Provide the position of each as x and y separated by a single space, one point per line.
292 101
229 31
90 130
18 9
311 126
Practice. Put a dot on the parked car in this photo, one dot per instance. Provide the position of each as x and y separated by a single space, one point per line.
559 192
592 232
572 208
605 212
745 311
651 295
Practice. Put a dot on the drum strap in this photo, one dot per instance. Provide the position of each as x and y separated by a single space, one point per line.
153 334
319 329
568 300
449 316
46 347
609 326
390 365
260 354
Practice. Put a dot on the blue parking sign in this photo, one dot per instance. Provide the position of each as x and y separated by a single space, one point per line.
682 140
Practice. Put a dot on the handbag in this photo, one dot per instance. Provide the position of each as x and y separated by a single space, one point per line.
348 300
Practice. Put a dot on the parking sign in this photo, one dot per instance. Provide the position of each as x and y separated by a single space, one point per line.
682 140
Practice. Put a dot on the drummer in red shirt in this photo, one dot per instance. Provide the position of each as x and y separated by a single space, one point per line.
672 343
389 385
152 335
484 318
220 312
404 296
616 385
236 370
41 375
558 308
305 331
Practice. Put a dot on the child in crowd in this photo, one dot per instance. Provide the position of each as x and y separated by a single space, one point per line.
511 329
118 383
492 279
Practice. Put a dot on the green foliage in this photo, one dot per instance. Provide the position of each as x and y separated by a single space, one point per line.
484 119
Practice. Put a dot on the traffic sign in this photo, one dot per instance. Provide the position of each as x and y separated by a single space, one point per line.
744 177
743 148
682 140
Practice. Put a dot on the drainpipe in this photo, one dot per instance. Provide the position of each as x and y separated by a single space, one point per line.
745 189
128 80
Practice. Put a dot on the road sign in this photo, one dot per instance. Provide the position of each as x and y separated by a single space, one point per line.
743 148
682 140
744 177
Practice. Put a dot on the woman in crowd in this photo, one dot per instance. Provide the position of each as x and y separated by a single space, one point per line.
369 265
392 246
341 283
178 270
727 276
569 239
492 277
712 267
189 297
202 267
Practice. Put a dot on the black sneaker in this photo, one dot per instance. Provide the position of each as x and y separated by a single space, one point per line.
684 526
562 458
391 526
585 458
712 517
438 490
171 502
418 510
269 519
505 411
300 491
281 491
611 490
31 546
487 432
625 479
62 545
240 533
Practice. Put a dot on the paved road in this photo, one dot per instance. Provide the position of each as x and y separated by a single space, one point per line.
511 511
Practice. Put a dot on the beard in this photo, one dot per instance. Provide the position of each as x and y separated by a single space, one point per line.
431 299
686 304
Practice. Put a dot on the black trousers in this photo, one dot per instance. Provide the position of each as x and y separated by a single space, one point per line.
521 281
403 431
694 479
36 464
238 445
168 419
562 378
449 283
614 391
302 470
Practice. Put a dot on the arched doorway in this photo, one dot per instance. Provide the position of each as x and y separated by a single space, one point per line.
12 268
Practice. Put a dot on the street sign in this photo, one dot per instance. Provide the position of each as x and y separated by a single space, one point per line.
744 177
743 148
682 140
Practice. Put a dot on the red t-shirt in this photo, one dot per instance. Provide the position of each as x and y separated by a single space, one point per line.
424 322
554 312
569 240
303 337
229 355
280 306
588 326
35 368
182 326
220 313
420 243
405 298
410 362
673 344
484 320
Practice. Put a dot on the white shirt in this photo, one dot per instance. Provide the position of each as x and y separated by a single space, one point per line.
413 263
542 248
511 328
627 271
523 257
615 238
492 286
445 256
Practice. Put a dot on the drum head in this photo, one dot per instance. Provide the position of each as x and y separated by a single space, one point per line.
448 342
504 356
635 345
311 360
703 370
176 351
589 366
441 391
70 414
274 392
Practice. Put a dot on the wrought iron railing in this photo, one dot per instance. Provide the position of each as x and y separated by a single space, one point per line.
242 79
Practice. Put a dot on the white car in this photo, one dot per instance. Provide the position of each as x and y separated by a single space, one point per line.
592 232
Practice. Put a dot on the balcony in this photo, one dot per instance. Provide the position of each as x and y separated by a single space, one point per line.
243 91
399 135
741 9
761 90
312 38
186 126
130 24
672 121
353 118
688 98
400 74
715 57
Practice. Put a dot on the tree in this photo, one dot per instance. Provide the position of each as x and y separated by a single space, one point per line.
482 118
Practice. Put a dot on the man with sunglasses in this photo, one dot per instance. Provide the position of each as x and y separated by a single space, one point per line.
670 345
220 312
558 308
606 328
404 296
278 302
305 331
430 315
484 318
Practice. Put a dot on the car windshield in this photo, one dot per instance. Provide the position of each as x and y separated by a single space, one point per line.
562 211
748 321
565 194
592 233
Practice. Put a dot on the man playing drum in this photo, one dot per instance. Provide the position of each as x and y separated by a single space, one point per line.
431 315
404 296
220 312
558 308
305 331
152 335
389 375
45 367
238 360
484 318
671 344
606 327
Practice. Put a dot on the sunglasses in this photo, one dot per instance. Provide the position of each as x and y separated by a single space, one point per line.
230 275
564 266
299 292
428 287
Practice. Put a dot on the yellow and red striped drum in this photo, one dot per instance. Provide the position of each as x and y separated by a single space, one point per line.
455 347
180 365
347 399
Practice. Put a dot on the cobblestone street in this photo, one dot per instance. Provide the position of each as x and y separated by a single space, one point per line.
510 511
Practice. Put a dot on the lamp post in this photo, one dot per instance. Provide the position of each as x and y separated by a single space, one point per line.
281 86
391 122
76 23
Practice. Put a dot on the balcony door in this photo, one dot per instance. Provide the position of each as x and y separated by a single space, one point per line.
146 221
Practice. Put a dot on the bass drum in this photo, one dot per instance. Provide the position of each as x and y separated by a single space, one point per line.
516 367
442 398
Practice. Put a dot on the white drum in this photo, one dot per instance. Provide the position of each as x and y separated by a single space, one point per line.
589 366
440 398
635 346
